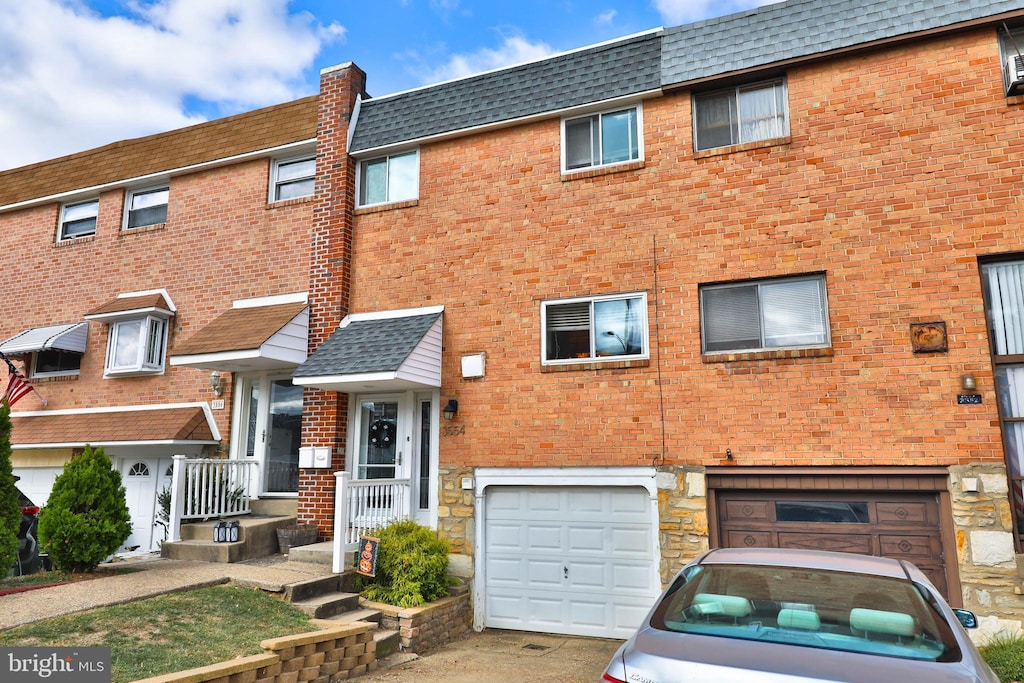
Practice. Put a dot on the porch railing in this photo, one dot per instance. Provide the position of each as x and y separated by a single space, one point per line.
204 488
362 506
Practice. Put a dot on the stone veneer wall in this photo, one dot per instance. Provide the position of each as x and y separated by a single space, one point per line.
455 520
990 572
333 654
683 517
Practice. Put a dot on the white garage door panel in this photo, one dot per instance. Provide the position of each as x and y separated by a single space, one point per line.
577 560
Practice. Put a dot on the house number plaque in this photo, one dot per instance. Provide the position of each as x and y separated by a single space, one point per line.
968 399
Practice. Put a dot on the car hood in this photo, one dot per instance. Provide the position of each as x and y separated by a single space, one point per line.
653 656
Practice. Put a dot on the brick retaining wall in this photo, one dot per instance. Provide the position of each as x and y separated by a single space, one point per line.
422 628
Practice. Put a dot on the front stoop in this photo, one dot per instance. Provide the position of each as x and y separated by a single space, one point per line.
257 538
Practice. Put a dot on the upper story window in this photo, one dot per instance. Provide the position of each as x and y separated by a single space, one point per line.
136 346
602 139
56 363
738 115
597 328
764 315
146 207
392 178
292 178
1011 49
78 220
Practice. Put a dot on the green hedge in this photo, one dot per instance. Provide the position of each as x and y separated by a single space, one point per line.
412 566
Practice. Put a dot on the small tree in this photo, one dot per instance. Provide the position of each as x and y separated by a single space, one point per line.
86 518
10 509
412 566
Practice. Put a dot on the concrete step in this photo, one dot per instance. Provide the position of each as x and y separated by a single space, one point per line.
312 588
372 616
257 536
327 606
388 643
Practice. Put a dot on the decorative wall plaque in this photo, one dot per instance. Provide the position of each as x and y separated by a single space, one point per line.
928 337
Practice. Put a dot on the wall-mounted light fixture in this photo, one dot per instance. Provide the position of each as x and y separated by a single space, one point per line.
968 383
450 410
216 383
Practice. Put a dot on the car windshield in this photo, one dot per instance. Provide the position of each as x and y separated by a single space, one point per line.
808 607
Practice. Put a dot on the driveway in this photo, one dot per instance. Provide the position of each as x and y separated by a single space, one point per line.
505 655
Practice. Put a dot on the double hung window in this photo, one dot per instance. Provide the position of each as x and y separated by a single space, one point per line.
601 139
292 179
739 115
764 315
78 220
392 178
599 328
146 207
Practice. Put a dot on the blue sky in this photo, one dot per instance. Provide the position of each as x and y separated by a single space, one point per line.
77 74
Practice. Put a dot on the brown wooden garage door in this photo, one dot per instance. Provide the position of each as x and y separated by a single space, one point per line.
901 524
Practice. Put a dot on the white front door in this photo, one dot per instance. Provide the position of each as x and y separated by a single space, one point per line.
142 478
269 430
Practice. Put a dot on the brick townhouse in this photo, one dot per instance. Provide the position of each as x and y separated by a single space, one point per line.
756 280
118 258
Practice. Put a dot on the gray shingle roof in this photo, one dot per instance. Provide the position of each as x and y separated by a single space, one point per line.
800 28
591 75
367 346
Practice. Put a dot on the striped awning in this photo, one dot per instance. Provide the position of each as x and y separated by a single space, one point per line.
70 337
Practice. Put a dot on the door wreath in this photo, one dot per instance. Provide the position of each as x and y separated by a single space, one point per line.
382 433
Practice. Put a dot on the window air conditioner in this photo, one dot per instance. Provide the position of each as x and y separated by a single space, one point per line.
1014 75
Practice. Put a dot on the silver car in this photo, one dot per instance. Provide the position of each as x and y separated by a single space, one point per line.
794 616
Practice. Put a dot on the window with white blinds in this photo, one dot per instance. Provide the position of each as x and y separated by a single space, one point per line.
768 314
599 328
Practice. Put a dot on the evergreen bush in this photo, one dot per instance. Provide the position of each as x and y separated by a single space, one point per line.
412 566
1005 654
10 508
86 518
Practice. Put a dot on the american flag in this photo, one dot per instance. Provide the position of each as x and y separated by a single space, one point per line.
17 387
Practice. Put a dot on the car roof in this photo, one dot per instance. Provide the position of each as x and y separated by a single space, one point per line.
808 559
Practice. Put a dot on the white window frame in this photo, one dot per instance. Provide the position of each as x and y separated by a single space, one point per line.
389 198
129 201
58 373
735 99
823 320
598 145
1011 46
149 359
65 221
276 182
639 325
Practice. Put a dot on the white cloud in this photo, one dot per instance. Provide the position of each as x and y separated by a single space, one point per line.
674 12
513 50
605 17
71 79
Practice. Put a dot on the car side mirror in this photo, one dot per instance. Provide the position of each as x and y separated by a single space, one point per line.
966 617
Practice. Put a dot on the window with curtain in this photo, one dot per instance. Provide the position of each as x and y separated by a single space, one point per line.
599 328
739 115
1003 287
763 315
601 139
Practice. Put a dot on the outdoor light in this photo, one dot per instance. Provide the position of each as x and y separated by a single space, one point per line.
216 383
968 383
451 409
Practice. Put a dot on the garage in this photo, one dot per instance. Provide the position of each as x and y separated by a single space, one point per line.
576 560
889 514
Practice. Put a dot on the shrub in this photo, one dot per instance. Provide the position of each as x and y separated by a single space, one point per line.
86 518
10 509
1005 654
412 566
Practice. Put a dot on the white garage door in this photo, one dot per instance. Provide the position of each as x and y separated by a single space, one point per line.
574 560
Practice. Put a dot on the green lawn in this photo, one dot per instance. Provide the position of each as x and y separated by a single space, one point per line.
172 632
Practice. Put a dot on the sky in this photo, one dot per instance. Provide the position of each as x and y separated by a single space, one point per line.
78 74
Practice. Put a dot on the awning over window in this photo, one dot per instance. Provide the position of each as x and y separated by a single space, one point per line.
133 305
148 425
387 351
70 337
249 338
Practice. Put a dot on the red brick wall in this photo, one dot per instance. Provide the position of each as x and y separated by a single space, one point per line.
903 167
324 412
221 242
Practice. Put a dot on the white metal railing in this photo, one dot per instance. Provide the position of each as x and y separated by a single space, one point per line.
202 488
363 505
